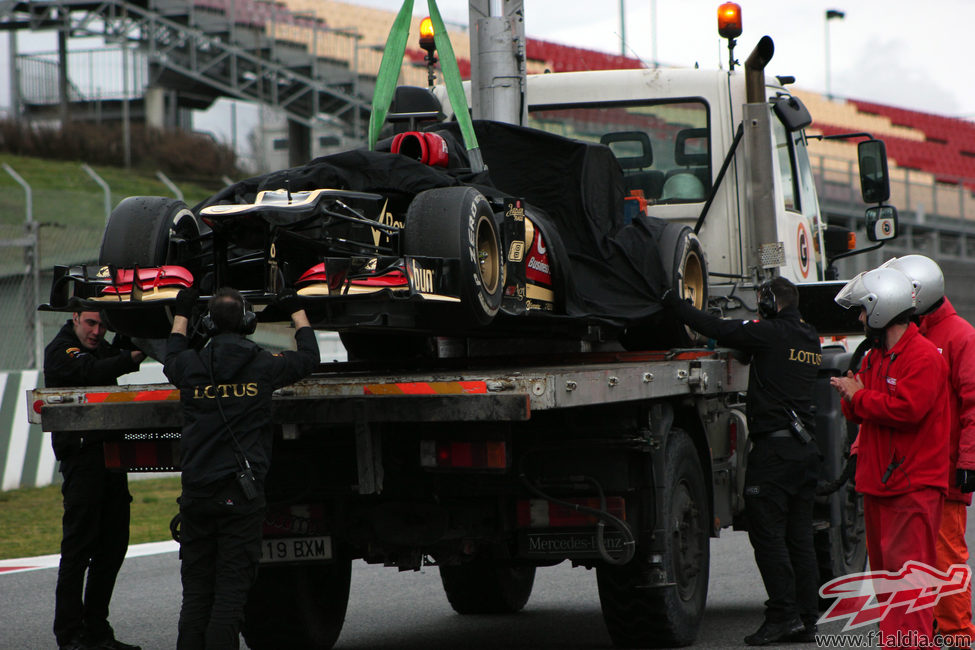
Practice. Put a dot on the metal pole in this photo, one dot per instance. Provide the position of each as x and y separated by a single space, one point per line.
63 73
830 15
106 190
126 122
14 75
172 186
653 33
356 127
34 263
622 27
829 91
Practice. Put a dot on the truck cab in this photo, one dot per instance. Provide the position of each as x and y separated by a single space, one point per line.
671 130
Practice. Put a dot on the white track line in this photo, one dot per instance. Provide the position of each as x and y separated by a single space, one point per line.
52 561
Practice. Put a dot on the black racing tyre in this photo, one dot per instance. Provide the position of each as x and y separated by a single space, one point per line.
640 617
148 231
687 272
299 607
487 586
457 222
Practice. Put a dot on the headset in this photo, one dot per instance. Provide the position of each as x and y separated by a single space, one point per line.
248 321
768 307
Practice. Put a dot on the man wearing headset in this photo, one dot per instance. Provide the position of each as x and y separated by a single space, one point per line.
783 463
955 339
900 400
225 451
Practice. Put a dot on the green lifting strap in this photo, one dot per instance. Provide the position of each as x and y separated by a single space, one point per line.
389 70
455 88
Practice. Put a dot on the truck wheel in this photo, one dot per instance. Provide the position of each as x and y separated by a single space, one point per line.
299 607
148 231
842 549
457 222
485 586
639 615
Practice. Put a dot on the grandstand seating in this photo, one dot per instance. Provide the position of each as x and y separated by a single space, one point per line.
930 148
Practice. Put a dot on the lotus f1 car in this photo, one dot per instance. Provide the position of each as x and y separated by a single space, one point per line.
383 242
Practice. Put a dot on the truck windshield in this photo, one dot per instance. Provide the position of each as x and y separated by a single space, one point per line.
663 148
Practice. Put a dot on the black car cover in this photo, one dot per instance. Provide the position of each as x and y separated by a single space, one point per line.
604 268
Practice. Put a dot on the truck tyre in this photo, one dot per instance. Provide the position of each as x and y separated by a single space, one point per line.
457 222
842 549
148 231
300 607
639 614
486 586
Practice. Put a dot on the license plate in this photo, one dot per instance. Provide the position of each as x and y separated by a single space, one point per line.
296 549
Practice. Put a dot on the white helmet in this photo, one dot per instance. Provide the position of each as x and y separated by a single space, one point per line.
924 272
884 294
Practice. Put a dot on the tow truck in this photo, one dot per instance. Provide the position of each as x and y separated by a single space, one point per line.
495 457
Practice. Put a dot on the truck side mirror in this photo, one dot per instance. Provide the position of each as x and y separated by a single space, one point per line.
874 178
881 221
792 112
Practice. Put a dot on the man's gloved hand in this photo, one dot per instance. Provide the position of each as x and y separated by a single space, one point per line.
123 342
965 478
185 302
851 470
288 301
670 299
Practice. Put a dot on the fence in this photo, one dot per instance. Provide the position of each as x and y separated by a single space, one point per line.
38 229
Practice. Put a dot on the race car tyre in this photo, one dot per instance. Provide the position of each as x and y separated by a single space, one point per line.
486 586
148 231
457 222
300 607
687 272
638 616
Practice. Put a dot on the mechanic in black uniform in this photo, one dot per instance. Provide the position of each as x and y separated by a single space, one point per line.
783 464
95 526
225 451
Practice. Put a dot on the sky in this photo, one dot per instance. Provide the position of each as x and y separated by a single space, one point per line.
899 52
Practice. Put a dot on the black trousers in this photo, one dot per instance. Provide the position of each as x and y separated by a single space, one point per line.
220 545
780 486
95 536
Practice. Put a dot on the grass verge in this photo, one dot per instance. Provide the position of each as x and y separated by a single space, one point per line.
30 518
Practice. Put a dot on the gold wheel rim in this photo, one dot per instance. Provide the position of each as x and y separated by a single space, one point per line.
693 280
488 255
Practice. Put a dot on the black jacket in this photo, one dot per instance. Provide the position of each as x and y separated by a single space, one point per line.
243 378
68 363
786 356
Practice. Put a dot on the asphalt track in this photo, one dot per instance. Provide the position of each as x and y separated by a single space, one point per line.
393 610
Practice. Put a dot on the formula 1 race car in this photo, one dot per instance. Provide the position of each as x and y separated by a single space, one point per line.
407 240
